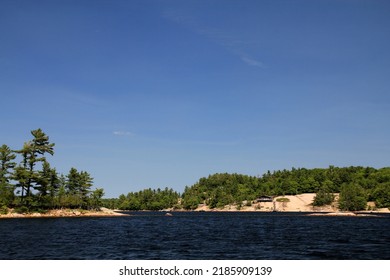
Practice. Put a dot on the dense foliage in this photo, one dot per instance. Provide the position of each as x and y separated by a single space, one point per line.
32 184
356 186
323 197
219 190
352 197
147 199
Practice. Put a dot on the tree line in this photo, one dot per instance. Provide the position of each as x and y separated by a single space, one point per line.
355 185
147 199
28 182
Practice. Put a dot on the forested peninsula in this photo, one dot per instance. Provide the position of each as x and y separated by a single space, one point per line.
347 189
28 183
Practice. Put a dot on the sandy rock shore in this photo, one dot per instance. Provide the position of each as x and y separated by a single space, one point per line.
104 212
292 203
295 203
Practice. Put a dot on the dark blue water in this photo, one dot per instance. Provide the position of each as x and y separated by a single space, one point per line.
197 236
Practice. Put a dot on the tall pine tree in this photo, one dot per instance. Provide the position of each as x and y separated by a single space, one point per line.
6 165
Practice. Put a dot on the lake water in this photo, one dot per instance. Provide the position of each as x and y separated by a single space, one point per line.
190 235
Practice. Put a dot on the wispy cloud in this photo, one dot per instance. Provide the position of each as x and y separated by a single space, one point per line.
252 62
231 43
123 133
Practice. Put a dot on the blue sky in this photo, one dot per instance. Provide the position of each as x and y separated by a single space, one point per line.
160 93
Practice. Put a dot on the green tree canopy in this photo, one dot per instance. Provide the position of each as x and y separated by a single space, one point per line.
352 197
33 183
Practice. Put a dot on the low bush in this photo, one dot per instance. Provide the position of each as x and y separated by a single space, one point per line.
22 210
283 199
3 210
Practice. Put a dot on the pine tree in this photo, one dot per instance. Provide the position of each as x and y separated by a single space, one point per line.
6 165
47 184
324 195
32 153
96 198
22 173
78 187
86 182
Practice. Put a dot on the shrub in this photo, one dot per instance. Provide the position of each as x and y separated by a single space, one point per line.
283 199
381 195
22 210
41 211
323 198
352 198
3 210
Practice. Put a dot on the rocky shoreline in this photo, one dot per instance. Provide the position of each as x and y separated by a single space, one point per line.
104 212
289 203
72 213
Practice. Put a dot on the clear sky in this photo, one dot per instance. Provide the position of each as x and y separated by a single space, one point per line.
161 93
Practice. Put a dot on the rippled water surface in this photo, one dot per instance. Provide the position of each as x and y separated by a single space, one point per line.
206 235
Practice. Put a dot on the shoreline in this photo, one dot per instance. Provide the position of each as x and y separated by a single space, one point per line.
69 213
65 213
291 203
301 203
